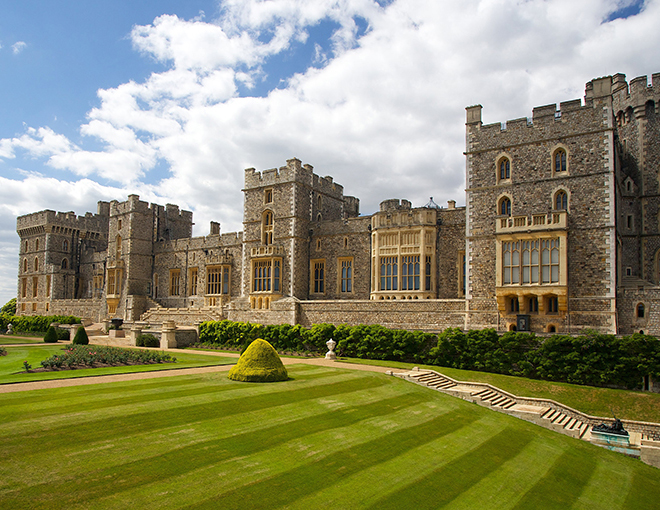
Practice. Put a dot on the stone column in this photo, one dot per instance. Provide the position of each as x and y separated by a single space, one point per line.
168 335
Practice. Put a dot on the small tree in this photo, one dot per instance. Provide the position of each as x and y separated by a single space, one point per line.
51 335
81 337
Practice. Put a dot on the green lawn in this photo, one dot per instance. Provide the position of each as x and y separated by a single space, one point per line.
630 405
11 364
19 339
328 438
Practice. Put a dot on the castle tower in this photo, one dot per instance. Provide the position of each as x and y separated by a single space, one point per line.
540 221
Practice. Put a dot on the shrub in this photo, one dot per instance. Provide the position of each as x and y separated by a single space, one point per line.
259 363
147 340
81 337
51 335
62 334
3 351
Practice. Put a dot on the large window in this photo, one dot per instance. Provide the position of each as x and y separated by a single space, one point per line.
388 273
427 274
266 275
114 282
346 266
521 262
217 280
318 276
175 282
410 271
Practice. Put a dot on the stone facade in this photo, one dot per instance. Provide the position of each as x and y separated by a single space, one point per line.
561 230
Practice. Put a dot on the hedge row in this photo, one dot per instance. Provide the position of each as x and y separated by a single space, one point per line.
34 323
592 358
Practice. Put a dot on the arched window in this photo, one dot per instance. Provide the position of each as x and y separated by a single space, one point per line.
319 202
505 206
559 164
36 244
27 245
504 169
65 245
65 264
640 310
25 265
552 328
267 228
36 264
561 201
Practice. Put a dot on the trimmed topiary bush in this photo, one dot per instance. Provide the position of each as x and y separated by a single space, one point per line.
51 335
147 340
81 337
259 363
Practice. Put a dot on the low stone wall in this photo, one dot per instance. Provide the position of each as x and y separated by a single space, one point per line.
183 316
433 315
92 309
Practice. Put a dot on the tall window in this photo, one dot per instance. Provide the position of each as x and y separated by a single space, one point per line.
47 285
560 161
24 287
217 280
268 196
346 275
35 286
36 264
505 206
175 282
530 261
193 281
533 304
550 260
267 228
65 245
26 246
427 274
114 282
511 261
410 272
561 201
65 264
388 273
504 167
118 246
553 304
36 244
25 265
640 310
266 275
318 276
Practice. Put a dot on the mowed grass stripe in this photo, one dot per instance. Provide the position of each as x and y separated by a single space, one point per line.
459 475
179 461
503 488
287 487
647 498
78 458
405 469
128 420
608 486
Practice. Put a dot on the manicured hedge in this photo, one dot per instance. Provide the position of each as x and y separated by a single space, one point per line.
591 358
259 363
34 323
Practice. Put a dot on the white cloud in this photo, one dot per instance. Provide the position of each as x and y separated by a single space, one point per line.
384 115
18 46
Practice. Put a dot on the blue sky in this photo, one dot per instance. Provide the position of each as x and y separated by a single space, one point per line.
172 100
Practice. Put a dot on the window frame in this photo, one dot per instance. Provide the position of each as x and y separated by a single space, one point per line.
317 275
345 279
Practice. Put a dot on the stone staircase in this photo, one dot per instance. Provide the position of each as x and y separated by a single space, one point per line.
644 436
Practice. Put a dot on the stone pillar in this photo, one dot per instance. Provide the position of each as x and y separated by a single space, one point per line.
73 329
168 335
136 330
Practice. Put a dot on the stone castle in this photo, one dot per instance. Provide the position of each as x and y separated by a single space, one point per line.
560 233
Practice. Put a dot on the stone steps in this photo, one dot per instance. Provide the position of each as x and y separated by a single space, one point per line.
562 422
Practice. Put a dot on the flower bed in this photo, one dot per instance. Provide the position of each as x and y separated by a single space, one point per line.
86 356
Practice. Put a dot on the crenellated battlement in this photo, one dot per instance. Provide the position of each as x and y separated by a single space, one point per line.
293 171
52 221
635 95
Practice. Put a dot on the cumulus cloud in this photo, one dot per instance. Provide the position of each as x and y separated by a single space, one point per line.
381 109
18 46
